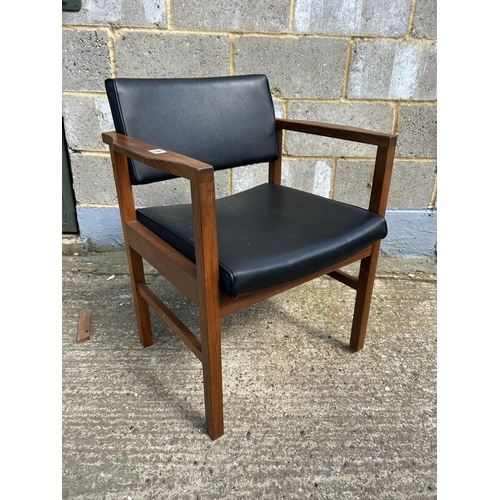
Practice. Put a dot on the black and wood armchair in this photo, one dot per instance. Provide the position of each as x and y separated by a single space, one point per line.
230 253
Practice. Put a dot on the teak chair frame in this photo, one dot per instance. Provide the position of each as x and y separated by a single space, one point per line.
200 281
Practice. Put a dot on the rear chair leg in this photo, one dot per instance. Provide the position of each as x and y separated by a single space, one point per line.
142 312
366 281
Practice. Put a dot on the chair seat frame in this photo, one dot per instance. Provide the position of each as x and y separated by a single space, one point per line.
200 281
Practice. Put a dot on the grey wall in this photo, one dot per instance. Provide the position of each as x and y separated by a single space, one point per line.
366 63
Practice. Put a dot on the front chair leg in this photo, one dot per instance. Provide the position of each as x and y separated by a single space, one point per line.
142 312
212 370
366 281
207 267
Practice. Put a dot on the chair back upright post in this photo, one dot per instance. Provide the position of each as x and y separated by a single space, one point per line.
275 166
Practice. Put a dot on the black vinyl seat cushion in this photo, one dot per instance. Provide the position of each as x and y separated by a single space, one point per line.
271 234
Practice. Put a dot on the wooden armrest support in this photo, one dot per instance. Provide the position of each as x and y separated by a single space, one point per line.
338 132
171 162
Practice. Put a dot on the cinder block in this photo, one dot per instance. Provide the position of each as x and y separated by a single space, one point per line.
279 111
171 192
417 131
93 179
232 15
353 181
148 55
175 191
85 119
377 117
412 183
296 68
352 17
384 69
412 234
425 21
85 59
101 227
93 183
311 176
119 13
244 178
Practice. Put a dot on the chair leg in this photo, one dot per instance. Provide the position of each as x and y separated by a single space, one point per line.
142 312
366 281
212 370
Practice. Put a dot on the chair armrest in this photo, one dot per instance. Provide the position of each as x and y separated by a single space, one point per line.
201 177
386 146
338 132
169 161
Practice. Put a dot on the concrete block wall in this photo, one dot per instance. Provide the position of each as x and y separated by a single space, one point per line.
365 63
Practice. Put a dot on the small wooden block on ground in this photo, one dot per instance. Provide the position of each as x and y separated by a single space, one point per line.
83 327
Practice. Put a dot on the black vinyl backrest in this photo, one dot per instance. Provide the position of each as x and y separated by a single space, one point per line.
225 122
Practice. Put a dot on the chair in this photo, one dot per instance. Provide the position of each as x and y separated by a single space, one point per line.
230 253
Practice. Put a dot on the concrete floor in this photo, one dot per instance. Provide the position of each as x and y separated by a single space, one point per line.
304 416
